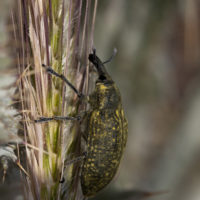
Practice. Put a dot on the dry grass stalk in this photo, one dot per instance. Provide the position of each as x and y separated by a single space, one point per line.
58 34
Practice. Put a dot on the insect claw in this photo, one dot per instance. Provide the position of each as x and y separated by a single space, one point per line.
62 180
80 95
78 118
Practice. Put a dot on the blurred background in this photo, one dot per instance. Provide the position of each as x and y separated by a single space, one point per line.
158 73
157 69
11 189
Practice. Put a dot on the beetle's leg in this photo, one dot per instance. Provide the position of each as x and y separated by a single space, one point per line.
81 116
61 76
80 95
77 159
84 123
57 118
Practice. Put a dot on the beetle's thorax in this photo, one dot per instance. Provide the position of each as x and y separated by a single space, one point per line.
105 96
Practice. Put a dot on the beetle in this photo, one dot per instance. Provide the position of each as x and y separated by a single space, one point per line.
106 130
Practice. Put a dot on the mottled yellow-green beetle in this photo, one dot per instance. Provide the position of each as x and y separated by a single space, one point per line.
106 130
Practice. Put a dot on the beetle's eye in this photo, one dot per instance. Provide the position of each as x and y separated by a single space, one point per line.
93 59
102 77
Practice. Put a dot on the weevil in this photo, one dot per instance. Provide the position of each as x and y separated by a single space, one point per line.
106 130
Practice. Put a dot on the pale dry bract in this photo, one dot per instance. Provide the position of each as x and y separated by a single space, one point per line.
57 33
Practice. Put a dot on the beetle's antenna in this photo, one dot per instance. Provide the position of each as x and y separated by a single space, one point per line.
94 51
112 56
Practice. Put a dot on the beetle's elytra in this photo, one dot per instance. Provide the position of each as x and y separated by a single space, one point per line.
106 130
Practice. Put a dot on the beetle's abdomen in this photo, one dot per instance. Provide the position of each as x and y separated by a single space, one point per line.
107 134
